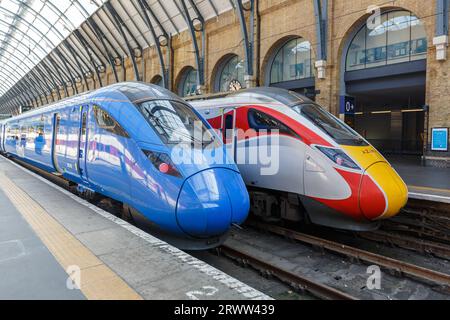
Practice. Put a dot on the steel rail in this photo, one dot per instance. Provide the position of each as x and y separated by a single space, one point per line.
400 267
409 243
317 289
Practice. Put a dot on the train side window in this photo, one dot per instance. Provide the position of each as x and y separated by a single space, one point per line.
106 122
229 122
261 121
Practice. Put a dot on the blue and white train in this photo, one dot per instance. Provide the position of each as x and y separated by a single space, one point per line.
118 141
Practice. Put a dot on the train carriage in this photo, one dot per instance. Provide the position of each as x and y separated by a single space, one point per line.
118 142
326 173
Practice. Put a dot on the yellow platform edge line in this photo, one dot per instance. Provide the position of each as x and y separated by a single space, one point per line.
429 189
98 281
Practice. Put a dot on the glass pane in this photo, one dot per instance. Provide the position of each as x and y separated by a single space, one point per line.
399 36
303 67
419 43
292 62
356 56
232 77
189 86
289 61
41 28
376 40
175 122
335 128
276 74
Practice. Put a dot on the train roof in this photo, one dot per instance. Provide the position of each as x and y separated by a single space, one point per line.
283 96
141 91
266 95
132 91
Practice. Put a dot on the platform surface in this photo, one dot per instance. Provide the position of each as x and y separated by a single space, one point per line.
52 241
424 183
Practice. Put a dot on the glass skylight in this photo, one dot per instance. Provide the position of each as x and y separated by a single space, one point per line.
31 29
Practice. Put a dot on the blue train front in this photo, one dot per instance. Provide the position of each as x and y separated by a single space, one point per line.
143 146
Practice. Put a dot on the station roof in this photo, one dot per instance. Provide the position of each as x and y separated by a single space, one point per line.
54 44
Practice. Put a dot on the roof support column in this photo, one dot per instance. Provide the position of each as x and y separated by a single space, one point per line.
163 38
93 25
321 13
199 58
440 41
248 38
120 27
86 47
56 87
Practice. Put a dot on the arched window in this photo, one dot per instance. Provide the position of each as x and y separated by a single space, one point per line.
188 83
399 37
293 61
231 75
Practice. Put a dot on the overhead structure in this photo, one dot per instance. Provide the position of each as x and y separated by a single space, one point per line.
50 49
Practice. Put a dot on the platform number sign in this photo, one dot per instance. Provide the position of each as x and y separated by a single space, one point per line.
347 105
439 139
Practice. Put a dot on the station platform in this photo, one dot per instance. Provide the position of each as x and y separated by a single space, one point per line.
54 245
424 183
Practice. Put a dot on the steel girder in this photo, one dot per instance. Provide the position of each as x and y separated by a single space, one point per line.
85 44
321 13
56 66
199 57
31 26
123 30
104 40
247 37
442 16
146 10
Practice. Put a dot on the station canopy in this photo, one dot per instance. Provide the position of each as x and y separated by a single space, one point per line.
52 45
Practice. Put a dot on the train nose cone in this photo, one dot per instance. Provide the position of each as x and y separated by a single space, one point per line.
210 201
383 193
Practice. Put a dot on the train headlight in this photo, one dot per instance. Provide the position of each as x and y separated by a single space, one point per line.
339 157
163 163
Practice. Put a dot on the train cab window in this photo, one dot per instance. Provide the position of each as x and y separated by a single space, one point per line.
326 122
262 121
106 122
177 123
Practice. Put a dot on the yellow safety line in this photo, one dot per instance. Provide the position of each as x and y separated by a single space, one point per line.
98 281
429 189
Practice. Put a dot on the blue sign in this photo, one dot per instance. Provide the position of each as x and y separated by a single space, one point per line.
439 140
347 105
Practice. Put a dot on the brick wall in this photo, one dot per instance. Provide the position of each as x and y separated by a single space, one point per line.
280 19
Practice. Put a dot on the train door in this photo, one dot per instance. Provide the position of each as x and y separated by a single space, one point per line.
82 147
229 131
56 141
2 137
3 141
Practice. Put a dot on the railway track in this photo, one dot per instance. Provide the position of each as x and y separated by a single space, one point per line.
296 281
439 281
423 227
409 243
424 219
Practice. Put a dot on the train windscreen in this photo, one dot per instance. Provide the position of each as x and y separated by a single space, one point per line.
336 129
176 123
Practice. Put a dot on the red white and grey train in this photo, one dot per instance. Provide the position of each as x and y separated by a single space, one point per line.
327 174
